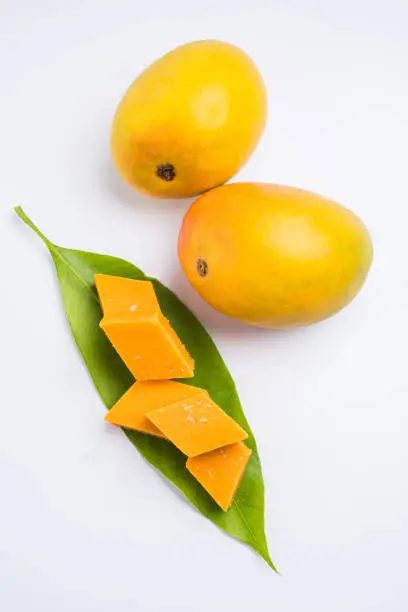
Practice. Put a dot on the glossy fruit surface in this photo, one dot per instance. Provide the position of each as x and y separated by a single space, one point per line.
273 256
190 120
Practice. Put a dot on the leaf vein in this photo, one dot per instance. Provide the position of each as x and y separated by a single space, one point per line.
245 521
56 252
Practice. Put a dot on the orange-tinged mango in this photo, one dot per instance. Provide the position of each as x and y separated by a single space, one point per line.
220 471
190 120
273 256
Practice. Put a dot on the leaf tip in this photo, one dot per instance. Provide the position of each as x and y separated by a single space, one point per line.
274 568
266 557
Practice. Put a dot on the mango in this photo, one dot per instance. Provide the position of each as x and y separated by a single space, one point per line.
273 256
189 121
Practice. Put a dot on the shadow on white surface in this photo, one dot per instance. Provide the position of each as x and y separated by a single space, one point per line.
129 197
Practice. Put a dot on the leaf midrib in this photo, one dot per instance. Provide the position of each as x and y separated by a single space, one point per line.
55 250
245 521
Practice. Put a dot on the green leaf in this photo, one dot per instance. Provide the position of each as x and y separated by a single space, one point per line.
75 270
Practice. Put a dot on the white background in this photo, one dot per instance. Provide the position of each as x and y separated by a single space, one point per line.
85 523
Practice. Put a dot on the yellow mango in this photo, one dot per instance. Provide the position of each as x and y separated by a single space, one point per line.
189 121
273 256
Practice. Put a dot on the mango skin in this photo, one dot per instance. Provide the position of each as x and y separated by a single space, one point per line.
194 116
273 256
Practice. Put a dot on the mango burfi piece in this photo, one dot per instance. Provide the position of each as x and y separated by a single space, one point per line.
125 298
220 471
196 425
142 397
139 332
150 348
